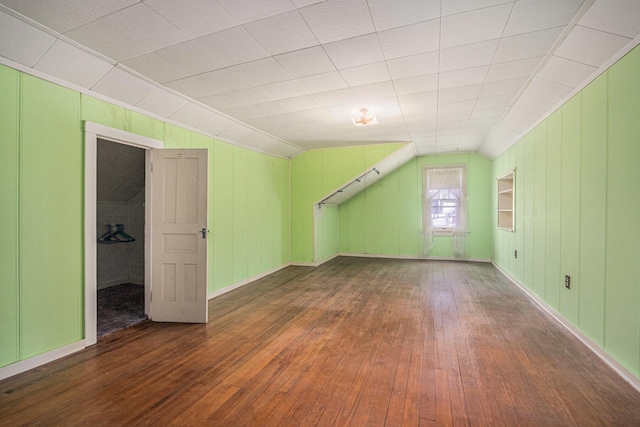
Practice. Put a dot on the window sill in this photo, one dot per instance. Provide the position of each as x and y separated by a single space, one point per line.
445 232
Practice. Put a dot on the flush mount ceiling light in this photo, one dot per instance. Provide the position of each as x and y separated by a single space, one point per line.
364 119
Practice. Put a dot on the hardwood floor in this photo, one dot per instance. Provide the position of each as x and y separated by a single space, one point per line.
361 342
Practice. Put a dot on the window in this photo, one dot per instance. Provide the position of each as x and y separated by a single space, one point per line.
444 193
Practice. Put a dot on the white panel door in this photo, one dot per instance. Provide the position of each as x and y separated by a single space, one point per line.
179 236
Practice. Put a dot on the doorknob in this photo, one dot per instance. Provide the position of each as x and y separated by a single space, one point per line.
204 232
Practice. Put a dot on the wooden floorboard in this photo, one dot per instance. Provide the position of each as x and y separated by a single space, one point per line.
354 342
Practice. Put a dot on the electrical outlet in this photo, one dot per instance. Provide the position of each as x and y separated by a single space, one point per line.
515 254
567 281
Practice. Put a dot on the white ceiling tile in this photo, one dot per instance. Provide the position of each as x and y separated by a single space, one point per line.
323 82
269 109
467 56
566 72
374 91
143 25
336 97
397 13
262 72
466 77
317 115
474 26
233 46
485 113
366 74
100 8
621 17
420 115
550 91
306 62
413 66
385 108
528 45
424 99
502 87
194 17
590 46
242 113
513 70
103 39
410 40
235 132
416 84
73 65
21 42
247 10
283 90
155 67
494 101
458 94
355 51
192 87
338 19
283 119
123 86
300 103
216 124
191 57
191 114
219 102
249 96
533 15
162 103
282 33
55 14
456 107
224 80
303 3
450 7
518 120
534 105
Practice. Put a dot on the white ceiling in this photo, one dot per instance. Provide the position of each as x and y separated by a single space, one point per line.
283 76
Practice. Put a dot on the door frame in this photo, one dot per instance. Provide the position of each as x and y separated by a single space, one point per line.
93 131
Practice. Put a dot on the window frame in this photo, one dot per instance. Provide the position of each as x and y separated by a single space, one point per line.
439 230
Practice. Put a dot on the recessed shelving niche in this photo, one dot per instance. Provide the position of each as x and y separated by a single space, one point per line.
506 202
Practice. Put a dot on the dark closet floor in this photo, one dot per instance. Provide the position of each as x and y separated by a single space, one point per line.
119 307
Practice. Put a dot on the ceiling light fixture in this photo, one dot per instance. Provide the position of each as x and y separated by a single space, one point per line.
364 119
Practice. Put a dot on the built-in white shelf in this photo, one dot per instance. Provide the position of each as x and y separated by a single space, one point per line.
506 202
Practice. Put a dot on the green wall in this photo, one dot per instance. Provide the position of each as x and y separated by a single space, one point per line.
386 218
577 181
42 209
314 174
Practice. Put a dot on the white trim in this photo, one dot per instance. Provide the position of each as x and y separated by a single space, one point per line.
41 359
626 374
93 131
414 257
241 283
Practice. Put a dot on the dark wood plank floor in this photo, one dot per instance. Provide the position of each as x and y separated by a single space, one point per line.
361 342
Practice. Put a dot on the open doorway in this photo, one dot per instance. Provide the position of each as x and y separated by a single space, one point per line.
120 222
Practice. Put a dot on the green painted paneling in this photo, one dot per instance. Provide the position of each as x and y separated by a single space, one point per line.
240 205
9 215
267 191
622 294
553 210
585 184
539 209
282 210
519 237
176 137
528 217
593 209
101 112
327 231
223 215
50 201
256 209
314 174
386 219
570 209
146 126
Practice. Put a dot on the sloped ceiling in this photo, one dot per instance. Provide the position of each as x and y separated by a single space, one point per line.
283 76
120 172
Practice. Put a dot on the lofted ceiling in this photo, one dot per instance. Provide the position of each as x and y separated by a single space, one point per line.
284 76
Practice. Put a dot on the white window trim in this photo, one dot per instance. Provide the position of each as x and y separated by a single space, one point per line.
445 231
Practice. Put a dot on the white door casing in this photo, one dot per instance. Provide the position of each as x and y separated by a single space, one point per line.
179 229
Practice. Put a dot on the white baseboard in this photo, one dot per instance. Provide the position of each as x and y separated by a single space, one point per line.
626 374
241 283
41 359
433 258
314 264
